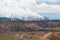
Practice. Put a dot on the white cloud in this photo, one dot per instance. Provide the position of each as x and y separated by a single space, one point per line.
26 7
48 1
18 7
43 7
54 1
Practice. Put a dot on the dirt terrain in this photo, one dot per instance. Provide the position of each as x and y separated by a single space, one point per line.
14 30
27 25
30 36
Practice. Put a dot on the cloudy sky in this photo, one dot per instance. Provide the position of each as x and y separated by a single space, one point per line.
40 8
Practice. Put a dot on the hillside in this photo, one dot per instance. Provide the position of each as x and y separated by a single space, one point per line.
19 25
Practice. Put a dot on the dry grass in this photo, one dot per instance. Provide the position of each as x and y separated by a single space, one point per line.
29 36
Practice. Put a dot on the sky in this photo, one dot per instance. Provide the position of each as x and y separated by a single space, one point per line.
40 8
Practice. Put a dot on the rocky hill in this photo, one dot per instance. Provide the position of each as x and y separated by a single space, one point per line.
6 25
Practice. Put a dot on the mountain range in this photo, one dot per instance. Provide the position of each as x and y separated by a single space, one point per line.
19 19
